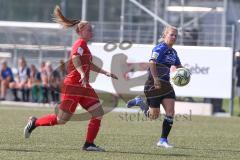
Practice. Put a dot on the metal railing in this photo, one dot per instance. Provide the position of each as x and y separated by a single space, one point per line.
43 43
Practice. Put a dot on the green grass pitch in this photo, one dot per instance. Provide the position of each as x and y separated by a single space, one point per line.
123 136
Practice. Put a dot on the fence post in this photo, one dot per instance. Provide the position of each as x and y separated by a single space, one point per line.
231 105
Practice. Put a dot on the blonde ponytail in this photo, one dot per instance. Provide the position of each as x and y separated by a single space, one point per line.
63 21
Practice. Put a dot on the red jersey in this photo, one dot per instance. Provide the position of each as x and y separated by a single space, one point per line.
79 48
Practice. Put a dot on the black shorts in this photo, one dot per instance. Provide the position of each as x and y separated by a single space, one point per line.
155 96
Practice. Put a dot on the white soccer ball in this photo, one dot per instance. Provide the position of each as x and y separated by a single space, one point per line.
181 77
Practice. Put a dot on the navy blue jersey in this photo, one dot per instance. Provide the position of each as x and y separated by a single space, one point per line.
7 73
37 76
164 57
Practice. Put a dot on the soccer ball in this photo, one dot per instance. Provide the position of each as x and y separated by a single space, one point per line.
181 77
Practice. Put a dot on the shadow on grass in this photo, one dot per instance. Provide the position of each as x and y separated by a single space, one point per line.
18 150
136 153
163 154
210 149
147 153
112 152
152 154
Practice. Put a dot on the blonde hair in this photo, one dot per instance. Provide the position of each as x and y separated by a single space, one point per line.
23 60
68 23
165 30
3 61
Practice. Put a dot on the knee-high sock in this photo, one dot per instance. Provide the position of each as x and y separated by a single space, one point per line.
166 127
57 96
23 94
45 94
53 95
48 120
27 94
14 91
35 93
93 128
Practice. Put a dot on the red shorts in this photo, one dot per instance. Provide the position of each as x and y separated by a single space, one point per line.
72 95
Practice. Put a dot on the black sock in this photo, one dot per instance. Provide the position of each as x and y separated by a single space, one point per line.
14 91
27 95
53 95
45 94
23 94
166 127
57 96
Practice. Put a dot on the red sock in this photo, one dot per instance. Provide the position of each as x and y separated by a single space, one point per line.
48 120
93 128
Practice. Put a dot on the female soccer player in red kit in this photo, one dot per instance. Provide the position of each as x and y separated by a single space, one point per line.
76 88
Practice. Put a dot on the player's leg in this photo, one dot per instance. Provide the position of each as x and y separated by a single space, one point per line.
65 110
151 107
35 91
25 92
94 107
14 87
47 120
44 91
153 112
96 112
21 87
168 105
138 101
4 87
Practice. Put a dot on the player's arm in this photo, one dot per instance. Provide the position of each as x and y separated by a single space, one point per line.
153 69
178 63
78 65
155 57
97 69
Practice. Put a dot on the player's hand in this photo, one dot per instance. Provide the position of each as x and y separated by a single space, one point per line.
83 80
111 75
157 83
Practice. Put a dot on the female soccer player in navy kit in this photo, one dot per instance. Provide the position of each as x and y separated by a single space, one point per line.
158 89
76 88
